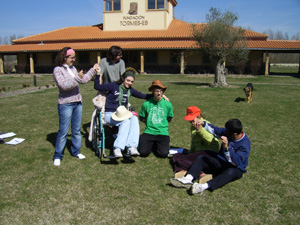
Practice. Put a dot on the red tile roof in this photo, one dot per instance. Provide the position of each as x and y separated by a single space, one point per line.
177 36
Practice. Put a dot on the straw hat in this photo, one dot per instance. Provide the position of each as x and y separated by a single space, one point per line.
121 114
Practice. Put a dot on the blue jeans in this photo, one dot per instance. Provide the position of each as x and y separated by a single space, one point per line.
129 131
69 113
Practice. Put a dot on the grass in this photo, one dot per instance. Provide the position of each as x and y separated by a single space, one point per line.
284 69
33 191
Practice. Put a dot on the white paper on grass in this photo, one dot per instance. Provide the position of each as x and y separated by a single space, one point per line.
15 141
7 135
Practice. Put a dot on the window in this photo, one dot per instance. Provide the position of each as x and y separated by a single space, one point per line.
157 4
112 5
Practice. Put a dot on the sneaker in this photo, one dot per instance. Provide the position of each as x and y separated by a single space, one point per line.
181 182
118 153
205 178
56 162
133 151
197 188
80 156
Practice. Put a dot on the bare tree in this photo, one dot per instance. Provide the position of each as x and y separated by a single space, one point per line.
219 39
286 36
270 33
8 40
296 36
279 35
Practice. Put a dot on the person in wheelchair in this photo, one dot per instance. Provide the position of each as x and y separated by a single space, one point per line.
118 93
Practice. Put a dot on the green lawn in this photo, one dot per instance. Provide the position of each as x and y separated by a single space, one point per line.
33 191
284 70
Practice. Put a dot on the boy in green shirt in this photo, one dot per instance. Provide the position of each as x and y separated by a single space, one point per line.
156 113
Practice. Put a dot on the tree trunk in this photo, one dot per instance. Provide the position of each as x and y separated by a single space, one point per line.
220 73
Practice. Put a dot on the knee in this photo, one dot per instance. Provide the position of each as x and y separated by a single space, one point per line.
163 154
234 173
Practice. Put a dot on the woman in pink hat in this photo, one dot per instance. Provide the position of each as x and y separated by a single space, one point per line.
69 102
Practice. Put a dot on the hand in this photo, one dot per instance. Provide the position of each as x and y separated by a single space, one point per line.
80 74
97 68
198 125
224 142
166 98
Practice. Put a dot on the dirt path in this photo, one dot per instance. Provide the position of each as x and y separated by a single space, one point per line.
23 91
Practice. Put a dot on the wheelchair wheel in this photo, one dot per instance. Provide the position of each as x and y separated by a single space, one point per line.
96 133
101 144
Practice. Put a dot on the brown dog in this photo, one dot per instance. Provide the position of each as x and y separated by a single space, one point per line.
249 92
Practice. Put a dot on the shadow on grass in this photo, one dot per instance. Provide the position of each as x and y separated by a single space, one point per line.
285 74
52 139
239 99
85 135
192 84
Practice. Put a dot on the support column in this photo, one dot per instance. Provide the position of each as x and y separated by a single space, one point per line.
299 65
1 64
142 62
98 57
31 61
182 63
267 64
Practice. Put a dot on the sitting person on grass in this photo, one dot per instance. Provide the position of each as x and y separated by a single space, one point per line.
156 113
202 143
229 165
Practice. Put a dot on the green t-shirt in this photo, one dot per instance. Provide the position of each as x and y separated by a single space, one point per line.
156 114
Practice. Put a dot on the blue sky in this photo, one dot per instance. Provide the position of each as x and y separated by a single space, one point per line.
29 17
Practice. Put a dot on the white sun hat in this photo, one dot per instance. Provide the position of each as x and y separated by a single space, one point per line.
121 114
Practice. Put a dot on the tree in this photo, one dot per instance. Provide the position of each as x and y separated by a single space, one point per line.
296 36
8 40
270 33
220 40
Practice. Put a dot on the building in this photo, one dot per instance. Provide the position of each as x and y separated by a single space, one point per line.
152 39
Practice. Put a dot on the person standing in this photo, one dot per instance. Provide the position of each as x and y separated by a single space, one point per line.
69 102
156 113
113 65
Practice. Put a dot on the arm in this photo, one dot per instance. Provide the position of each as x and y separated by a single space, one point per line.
236 153
143 114
84 78
170 111
216 131
102 87
142 119
140 95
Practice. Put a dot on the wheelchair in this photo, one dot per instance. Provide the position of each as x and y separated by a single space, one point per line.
97 129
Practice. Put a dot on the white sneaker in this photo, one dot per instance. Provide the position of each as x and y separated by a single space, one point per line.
56 162
118 153
181 182
80 156
197 188
133 151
